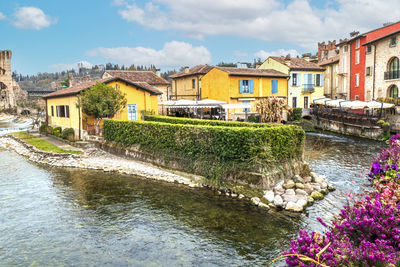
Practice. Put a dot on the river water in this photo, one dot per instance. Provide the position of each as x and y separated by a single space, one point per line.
68 217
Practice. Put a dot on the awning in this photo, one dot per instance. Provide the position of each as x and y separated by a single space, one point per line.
233 106
377 104
356 104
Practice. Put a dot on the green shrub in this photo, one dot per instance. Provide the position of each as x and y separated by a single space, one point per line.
177 120
296 114
254 118
43 128
49 129
56 131
68 134
213 151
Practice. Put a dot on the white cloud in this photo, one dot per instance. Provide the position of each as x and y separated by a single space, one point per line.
75 66
174 54
240 54
297 22
119 2
263 55
2 16
31 18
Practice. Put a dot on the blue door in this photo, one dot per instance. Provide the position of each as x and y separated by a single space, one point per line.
132 112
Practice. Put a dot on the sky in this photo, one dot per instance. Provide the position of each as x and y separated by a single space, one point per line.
49 35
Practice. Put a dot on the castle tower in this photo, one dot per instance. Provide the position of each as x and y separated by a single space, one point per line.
7 98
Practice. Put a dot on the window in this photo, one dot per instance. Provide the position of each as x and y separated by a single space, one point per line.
369 49
357 57
368 71
344 64
357 79
394 69
62 111
132 112
358 43
336 82
394 91
295 77
393 41
52 111
246 86
193 83
294 102
319 79
246 110
306 102
345 48
274 86
357 97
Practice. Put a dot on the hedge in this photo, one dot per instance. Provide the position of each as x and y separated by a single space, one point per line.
211 148
177 120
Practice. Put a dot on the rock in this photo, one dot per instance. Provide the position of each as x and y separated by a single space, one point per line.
279 190
299 185
307 179
292 206
301 192
316 188
278 201
241 196
308 188
269 195
263 205
302 202
331 188
297 179
317 178
233 195
317 195
290 192
324 185
255 200
310 200
289 184
289 198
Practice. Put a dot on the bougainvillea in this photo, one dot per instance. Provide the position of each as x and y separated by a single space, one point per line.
366 233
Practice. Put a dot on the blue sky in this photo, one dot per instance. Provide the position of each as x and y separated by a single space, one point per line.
48 35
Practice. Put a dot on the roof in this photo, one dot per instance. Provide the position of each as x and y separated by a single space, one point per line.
329 61
252 72
299 64
199 69
74 90
383 37
138 76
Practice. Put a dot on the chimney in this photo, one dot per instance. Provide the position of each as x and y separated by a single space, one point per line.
158 72
186 70
307 57
258 64
287 60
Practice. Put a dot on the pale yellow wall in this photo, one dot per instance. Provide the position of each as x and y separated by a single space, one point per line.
72 121
219 85
274 65
297 91
183 86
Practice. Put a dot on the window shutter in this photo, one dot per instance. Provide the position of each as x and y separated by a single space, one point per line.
58 111
322 79
305 78
240 86
274 86
298 79
251 86
67 111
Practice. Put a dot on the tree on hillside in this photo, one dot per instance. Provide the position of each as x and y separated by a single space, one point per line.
101 101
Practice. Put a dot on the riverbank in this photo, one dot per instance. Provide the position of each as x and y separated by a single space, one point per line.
292 195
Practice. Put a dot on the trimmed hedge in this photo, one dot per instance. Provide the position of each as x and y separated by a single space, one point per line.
215 150
296 114
177 120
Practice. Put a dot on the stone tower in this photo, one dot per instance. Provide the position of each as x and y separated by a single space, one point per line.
7 97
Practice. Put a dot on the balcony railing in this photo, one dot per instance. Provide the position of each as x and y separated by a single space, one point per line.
308 88
393 74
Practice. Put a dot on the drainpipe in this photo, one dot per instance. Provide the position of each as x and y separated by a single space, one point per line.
373 77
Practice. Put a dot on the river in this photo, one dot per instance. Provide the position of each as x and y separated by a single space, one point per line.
67 217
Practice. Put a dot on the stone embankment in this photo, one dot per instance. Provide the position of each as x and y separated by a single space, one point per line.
293 195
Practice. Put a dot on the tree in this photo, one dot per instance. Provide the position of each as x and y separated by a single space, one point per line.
101 101
271 109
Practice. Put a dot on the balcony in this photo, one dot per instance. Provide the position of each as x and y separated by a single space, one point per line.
391 75
308 88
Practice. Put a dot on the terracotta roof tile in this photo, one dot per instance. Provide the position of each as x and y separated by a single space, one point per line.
298 63
199 69
252 72
137 76
329 61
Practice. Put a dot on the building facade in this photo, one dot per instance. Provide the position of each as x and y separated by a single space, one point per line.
62 110
306 81
7 95
332 78
243 86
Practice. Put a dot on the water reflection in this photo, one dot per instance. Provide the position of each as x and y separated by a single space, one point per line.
52 216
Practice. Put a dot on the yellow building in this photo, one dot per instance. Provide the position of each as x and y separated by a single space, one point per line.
61 107
187 83
242 86
306 81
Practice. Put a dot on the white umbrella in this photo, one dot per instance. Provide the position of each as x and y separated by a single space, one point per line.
377 104
321 101
334 103
354 104
210 102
